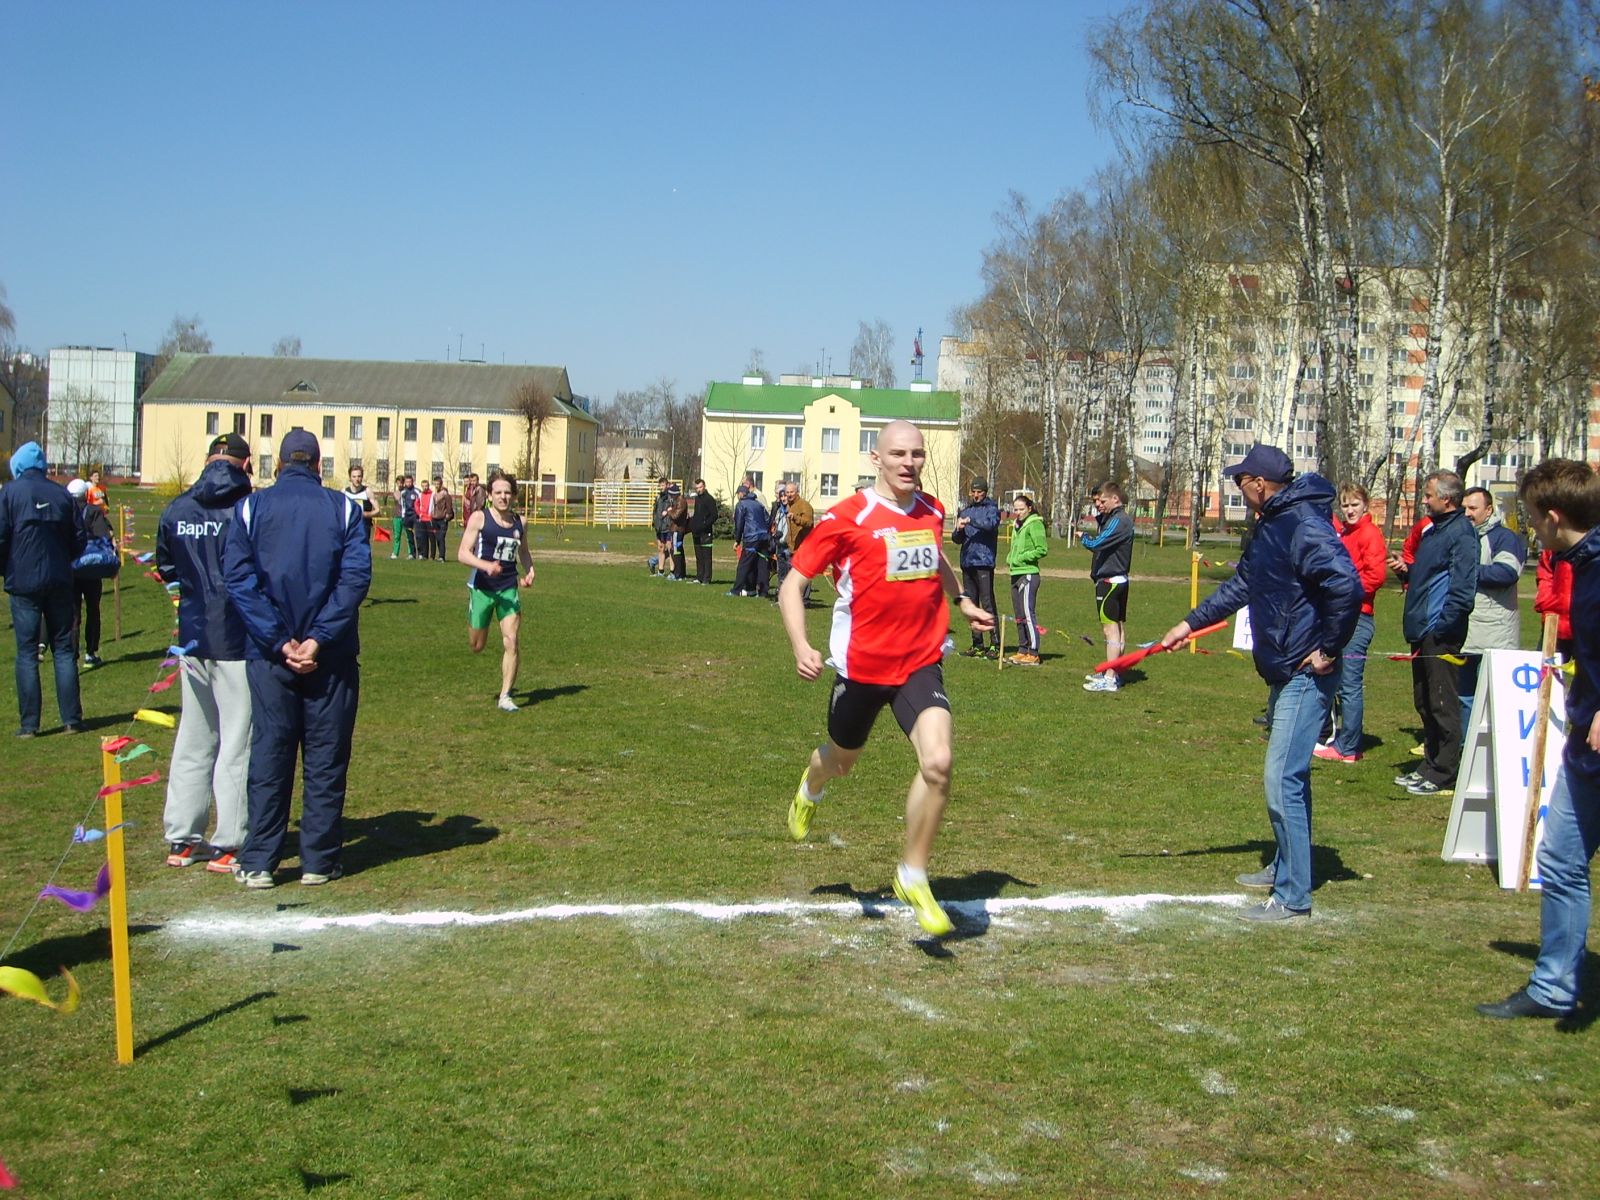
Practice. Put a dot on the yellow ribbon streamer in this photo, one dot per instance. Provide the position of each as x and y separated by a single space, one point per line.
151 716
25 985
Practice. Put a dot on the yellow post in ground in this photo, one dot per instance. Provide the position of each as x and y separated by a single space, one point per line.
1194 591
121 975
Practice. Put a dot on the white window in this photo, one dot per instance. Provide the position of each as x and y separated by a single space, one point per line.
1242 371
494 433
1313 373
264 466
1369 354
830 445
792 436
830 484
213 423
1402 355
466 433
327 465
1463 436
1366 379
758 437
327 431
355 429
869 440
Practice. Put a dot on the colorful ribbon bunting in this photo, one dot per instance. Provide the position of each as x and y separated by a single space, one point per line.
113 745
77 900
151 716
164 683
25 985
153 777
179 651
83 836
135 752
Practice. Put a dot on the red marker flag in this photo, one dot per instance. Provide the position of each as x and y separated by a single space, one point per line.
1123 662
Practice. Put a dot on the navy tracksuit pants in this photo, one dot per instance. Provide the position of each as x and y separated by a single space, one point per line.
310 717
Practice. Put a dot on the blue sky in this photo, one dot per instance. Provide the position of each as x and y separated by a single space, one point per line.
635 191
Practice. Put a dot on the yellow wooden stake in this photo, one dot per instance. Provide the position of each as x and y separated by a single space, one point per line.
1194 591
121 975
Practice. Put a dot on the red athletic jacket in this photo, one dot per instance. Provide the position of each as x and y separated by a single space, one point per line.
1366 548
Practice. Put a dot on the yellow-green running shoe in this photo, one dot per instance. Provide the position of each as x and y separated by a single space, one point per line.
919 898
800 810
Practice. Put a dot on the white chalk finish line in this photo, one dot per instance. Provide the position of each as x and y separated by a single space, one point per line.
219 926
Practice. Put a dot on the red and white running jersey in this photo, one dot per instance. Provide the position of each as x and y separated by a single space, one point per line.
890 619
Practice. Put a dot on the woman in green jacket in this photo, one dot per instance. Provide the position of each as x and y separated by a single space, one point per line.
1027 548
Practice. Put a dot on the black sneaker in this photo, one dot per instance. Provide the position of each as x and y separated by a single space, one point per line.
1427 787
1519 1004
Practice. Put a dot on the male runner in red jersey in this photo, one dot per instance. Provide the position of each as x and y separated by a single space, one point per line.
889 627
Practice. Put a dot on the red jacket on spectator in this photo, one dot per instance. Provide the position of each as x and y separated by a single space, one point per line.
1367 551
1554 594
1408 549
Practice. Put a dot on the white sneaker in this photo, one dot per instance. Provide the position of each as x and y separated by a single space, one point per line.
1106 683
507 704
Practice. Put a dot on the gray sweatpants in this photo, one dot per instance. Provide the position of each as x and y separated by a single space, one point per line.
211 757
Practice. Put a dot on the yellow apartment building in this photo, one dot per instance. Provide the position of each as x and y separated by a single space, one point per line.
390 418
819 434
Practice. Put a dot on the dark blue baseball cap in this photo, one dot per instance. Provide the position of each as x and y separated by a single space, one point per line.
300 445
1266 462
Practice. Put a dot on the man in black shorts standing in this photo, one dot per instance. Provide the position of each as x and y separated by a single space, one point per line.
1112 546
888 635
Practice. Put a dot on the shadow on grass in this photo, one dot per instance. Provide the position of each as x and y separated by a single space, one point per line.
107 720
141 656
539 695
972 921
45 958
311 1181
407 833
187 1027
1326 865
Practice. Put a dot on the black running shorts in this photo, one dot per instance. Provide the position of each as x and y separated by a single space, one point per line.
853 707
1111 599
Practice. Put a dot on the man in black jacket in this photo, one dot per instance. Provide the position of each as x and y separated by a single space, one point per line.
40 535
211 757
1442 584
701 523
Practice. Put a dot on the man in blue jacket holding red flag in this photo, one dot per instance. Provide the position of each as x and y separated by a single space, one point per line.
297 566
1304 597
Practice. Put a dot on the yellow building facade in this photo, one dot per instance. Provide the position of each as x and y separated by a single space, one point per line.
821 436
429 420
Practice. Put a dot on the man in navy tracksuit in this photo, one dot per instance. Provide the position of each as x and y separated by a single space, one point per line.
977 533
297 566
1304 597
211 758
40 535
1441 587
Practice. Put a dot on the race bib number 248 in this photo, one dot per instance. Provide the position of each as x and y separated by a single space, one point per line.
912 554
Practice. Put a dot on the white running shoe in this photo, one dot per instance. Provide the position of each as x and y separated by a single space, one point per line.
507 704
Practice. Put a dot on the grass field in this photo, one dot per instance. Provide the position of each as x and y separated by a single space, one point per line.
825 1049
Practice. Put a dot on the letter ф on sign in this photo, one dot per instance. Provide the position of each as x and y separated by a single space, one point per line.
1527 677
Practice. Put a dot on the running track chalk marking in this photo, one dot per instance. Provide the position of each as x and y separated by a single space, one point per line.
215 926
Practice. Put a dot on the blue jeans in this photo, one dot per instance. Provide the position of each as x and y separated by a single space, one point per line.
1351 698
51 613
1298 707
1571 833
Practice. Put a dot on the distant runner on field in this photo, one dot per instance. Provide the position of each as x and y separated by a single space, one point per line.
889 627
492 544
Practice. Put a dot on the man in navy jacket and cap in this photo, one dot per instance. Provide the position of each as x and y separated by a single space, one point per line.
1304 597
297 566
40 535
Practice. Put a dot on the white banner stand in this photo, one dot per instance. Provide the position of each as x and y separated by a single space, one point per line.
1488 813
1242 639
